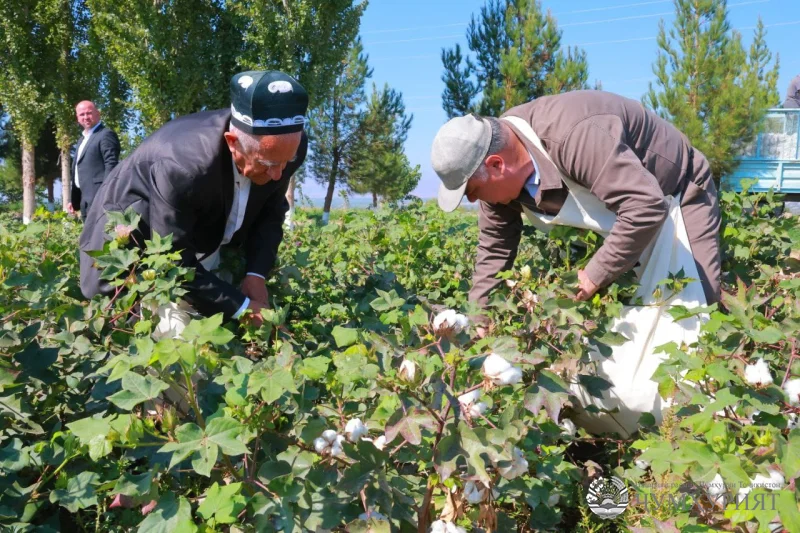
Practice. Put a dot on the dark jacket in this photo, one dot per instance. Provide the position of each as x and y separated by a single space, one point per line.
627 156
97 160
793 94
180 181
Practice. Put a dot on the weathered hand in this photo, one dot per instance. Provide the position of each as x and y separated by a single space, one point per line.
586 287
71 210
255 317
255 288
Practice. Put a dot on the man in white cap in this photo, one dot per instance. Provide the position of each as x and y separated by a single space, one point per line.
209 179
627 157
597 161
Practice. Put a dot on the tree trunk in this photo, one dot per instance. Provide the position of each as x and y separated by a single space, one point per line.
326 208
66 179
28 181
51 199
374 200
290 198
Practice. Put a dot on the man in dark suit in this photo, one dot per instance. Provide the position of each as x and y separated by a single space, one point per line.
95 156
208 179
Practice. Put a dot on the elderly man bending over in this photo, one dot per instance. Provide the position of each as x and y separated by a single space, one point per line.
593 160
209 179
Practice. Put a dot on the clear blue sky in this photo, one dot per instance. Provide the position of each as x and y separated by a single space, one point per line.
404 39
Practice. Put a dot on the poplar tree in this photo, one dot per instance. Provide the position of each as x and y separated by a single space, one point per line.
516 56
177 57
335 125
380 165
308 39
24 71
708 85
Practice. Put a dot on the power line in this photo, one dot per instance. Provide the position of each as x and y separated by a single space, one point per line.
417 39
606 8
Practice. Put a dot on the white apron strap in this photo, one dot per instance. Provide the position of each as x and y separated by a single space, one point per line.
581 209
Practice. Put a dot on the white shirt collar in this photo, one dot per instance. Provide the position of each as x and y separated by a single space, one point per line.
87 133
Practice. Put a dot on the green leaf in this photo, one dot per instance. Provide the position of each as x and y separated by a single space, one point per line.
222 504
271 383
224 432
207 331
134 485
13 458
169 516
408 425
137 389
344 336
79 494
768 335
549 391
787 510
315 367
93 432
189 438
789 454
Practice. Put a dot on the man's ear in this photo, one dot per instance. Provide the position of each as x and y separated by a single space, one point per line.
232 140
494 162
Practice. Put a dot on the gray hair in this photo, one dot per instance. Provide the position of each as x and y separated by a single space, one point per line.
498 142
248 141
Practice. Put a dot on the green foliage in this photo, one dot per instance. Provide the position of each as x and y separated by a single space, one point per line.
236 435
175 56
516 57
380 165
309 39
708 85
335 124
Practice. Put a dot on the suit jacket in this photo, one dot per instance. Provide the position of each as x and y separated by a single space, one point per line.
626 155
97 160
793 94
180 181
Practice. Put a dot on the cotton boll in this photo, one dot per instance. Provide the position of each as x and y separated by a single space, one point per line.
475 492
509 377
716 487
641 463
792 390
469 397
742 494
329 435
477 409
775 481
758 373
569 426
451 321
380 442
355 429
553 500
372 514
494 365
525 272
408 371
518 466
320 445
